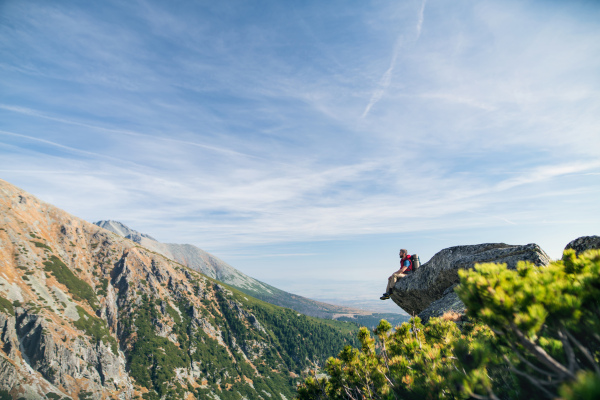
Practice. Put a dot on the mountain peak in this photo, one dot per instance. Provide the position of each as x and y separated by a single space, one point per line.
123 230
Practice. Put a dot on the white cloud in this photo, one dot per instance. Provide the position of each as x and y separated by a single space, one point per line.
256 133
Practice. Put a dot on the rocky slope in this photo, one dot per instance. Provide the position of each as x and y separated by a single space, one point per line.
88 314
206 263
429 291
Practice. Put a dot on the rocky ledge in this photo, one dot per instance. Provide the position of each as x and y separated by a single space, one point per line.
428 292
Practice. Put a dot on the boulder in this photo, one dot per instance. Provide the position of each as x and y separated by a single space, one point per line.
584 243
417 291
449 302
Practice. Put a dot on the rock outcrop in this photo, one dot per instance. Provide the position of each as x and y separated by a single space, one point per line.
584 243
428 292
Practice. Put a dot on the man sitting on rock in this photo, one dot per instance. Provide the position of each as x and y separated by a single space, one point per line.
405 268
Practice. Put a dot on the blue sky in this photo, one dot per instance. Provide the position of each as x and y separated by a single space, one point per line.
306 142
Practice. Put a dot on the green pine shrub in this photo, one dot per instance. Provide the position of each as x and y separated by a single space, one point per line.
531 333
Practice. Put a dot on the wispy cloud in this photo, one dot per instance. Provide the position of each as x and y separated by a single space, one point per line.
226 127
30 112
57 145
421 19
386 78
385 81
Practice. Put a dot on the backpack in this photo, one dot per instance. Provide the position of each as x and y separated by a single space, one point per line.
416 263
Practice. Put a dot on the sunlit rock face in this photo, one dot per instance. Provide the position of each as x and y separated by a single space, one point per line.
584 243
432 284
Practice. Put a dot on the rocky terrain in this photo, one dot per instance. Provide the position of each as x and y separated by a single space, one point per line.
88 314
206 263
584 243
429 291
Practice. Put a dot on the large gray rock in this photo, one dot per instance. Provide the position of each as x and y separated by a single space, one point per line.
584 243
419 290
450 302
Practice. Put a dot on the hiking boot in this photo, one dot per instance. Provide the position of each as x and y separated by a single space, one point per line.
385 296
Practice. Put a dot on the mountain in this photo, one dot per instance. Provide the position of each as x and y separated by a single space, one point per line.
88 314
201 261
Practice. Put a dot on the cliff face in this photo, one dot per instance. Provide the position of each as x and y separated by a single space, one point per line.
428 292
87 314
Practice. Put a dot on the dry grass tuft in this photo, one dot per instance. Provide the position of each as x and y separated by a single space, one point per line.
452 316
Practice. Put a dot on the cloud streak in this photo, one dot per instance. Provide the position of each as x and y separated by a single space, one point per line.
385 81
227 127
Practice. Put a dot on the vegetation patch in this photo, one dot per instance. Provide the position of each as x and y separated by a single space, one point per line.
103 290
42 245
6 306
78 288
174 314
153 359
95 328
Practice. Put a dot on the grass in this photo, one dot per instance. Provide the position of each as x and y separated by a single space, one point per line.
78 288
6 306
95 328
42 245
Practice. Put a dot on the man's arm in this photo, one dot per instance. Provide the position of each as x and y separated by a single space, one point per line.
402 269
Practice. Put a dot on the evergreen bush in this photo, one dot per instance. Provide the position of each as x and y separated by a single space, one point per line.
531 333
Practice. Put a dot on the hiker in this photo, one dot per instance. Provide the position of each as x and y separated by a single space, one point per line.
406 266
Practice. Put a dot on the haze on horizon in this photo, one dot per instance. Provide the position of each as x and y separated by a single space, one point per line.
306 142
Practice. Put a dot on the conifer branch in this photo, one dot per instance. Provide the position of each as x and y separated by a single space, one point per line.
530 365
573 366
491 396
536 382
347 392
585 352
540 353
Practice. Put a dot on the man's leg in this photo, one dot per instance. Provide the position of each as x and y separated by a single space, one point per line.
388 289
391 282
390 286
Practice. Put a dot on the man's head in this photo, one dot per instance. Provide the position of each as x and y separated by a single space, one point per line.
403 252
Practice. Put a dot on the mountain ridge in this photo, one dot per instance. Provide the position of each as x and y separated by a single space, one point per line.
210 265
88 314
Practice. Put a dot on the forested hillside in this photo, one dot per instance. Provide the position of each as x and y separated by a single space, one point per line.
211 266
86 314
